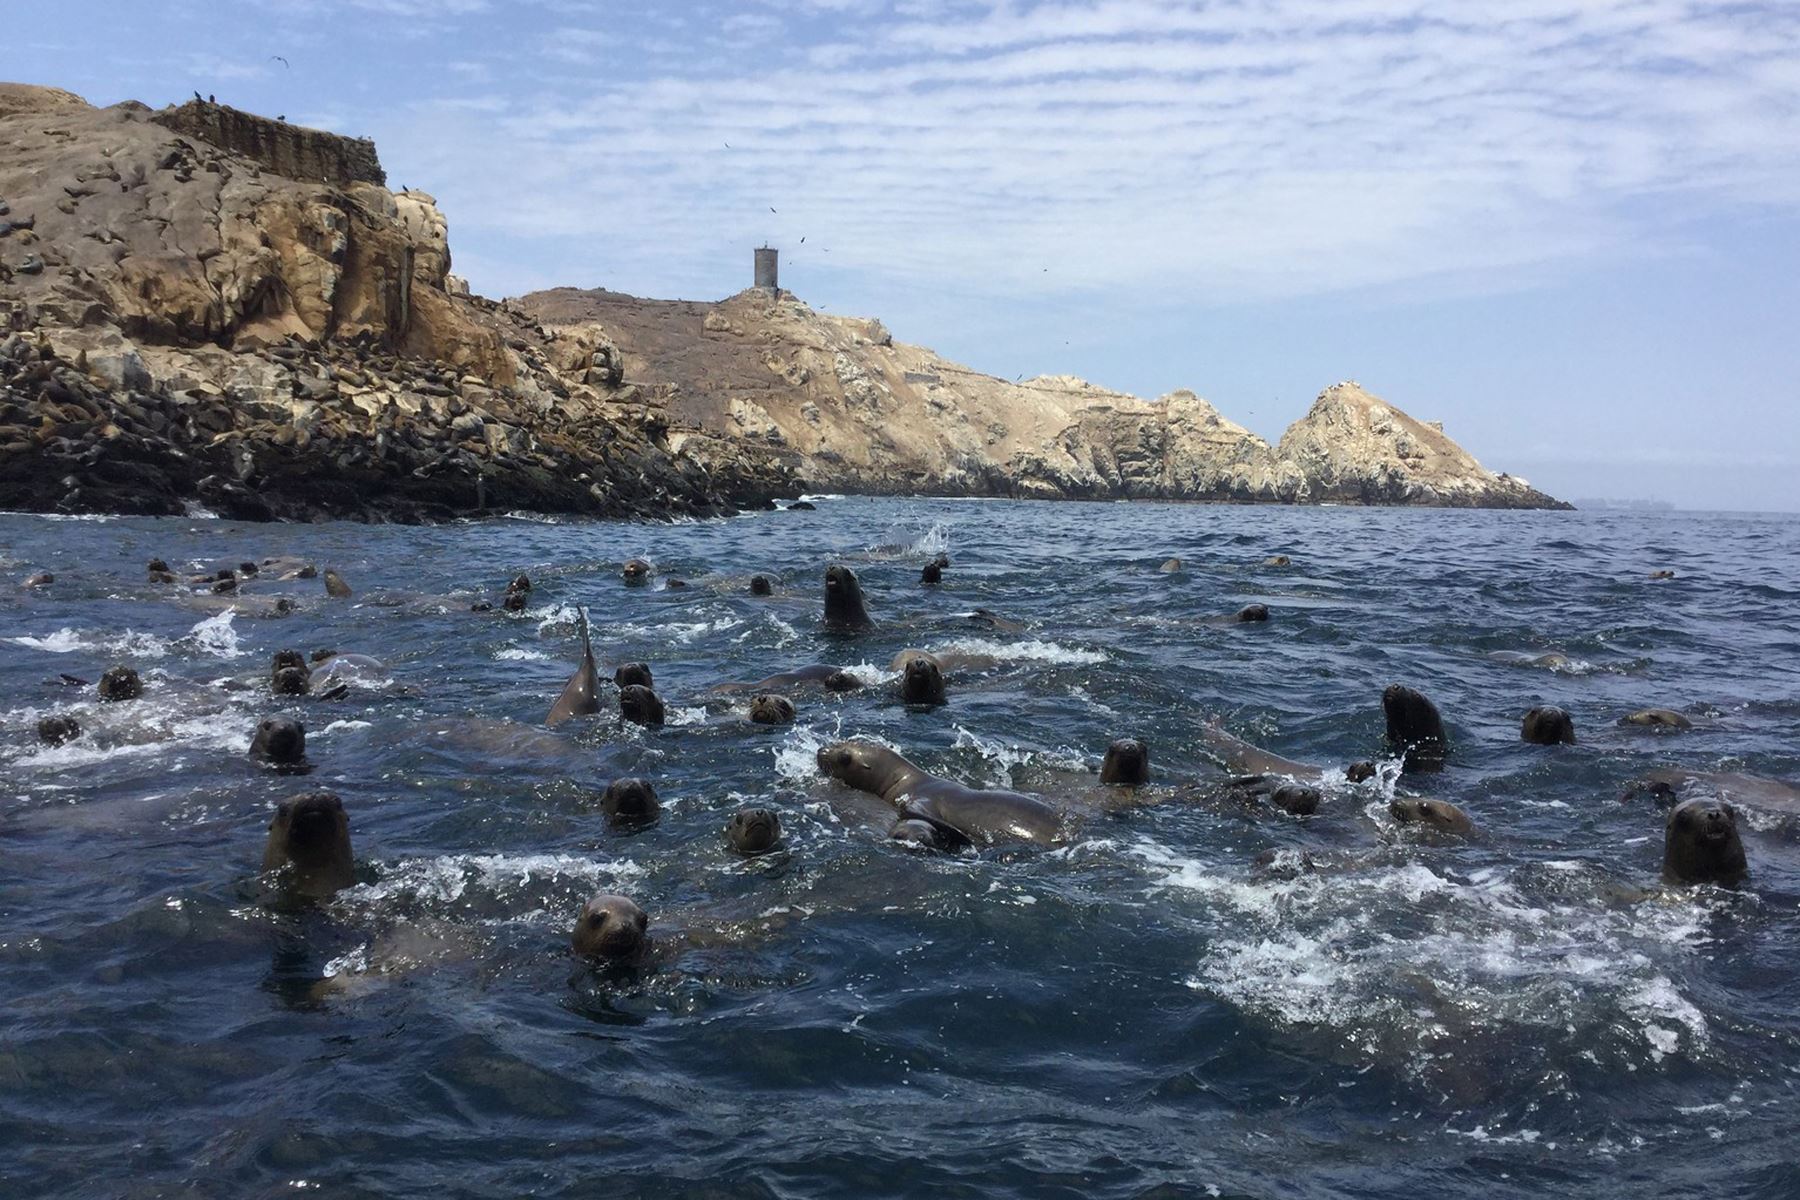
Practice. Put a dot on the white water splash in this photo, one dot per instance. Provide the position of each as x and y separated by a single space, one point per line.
216 637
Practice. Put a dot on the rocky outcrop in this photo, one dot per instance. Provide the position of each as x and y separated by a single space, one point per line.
289 150
192 327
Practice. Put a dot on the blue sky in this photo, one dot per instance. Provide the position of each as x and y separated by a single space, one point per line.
1568 229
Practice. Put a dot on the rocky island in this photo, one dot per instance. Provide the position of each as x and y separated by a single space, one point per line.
200 306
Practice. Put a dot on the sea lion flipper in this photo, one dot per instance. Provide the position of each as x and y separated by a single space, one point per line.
581 695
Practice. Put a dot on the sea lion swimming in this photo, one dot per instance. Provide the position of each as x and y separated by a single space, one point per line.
633 672
335 587
1253 612
291 681
931 573
639 704
310 837
1657 718
41 579
1701 844
767 708
1292 797
1414 728
611 928
518 594
832 679
1439 815
975 815
844 607
279 742
761 585
636 571
120 683
1746 791
1170 566
58 731
1277 560
753 831
1127 763
1548 725
630 803
581 695
1245 759
922 681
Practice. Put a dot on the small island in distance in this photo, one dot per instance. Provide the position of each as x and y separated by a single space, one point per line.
205 307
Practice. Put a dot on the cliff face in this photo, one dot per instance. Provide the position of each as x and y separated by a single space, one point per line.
276 146
197 326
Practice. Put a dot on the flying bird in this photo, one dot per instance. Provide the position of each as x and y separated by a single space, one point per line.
728 145
771 208
803 241
284 62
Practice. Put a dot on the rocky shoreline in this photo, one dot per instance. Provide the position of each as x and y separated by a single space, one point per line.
183 324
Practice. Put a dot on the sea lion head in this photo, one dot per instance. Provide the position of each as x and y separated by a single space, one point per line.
1657 718
1659 790
279 741
842 681
753 831
931 573
515 601
1127 762
1359 770
633 672
291 681
41 579
766 708
922 681
919 834
1432 814
120 683
630 802
247 568
286 658
862 765
311 834
1701 843
611 928
57 731
335 587
1414 726
1277 560
1299 799
225 587
1548 725
1253 612
157 566
844 603
520 583
635 571
761 585
639 704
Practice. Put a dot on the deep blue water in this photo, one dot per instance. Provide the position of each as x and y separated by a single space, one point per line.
1143 1013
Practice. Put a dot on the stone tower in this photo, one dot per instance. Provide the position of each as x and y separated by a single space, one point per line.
768 273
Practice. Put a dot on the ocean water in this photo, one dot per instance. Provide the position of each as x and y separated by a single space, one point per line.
1144 1012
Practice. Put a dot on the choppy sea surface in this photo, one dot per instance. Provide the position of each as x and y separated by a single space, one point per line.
1144 1012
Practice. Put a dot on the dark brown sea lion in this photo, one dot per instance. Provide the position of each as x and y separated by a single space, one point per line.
1440 815
1246 759
1746 791
518 594
977 815
761 585
1657 718
832 679
610 928
1662 574
1414 728
291 681
672 584
58 731
633 672
1701 844
225 587
639 704
1548 725
1359 770
931 573
581 695
335 587
636 571
753 831
844 607
287 658
801 506
922 681
983 618
1291 796
1253 612
630 803
767 708
120 683
1127 763
310 837
41 579
279 742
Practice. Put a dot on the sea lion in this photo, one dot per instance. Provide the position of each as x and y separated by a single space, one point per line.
339 669
1253 612
1170 566
1746 791
41 579
1414 728
1663 574
832 679
1359 771
58 731
931 573
158 571
639 704
844 607
672 584
1431 814
287 658
633 672
291 681
1289 795
310 837
630 803
983 618
1277 560
976 815
923 835
518 594
247 568
761 585
279 742
1548 725
225 587
1701 844
1657 718
581 695
335 587
120 683
767 708
1127 763
1240 756
922 681
610 928
636 571
753 831
802 506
